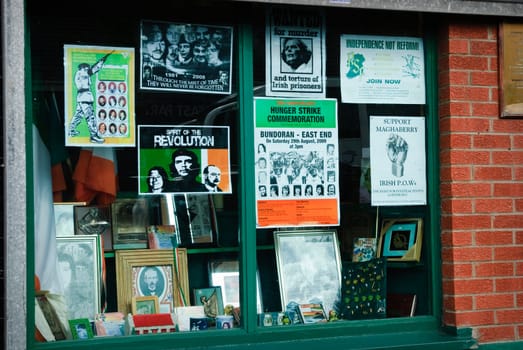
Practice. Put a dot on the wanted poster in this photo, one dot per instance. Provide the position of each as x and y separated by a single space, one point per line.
382 69
99 96
295 51
183 159
397 160
186 57
296 154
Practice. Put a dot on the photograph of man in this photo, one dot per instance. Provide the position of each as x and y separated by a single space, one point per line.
212 177
263 190
184 169
151 281
81 331
157 179
297 190
331 190
296 57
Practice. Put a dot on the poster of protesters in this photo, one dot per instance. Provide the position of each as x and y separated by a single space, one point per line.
183 159
296 169
295 43
397 160
99 96
382 69
186 57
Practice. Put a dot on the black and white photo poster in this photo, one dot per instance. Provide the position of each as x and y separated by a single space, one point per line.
186 57
397 160
295 44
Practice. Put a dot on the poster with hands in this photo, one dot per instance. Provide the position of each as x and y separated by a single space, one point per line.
397 160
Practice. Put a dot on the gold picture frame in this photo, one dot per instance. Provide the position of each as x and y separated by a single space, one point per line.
145 305
172 278
401 239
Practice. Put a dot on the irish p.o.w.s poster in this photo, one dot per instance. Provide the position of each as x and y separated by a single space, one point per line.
382 69
397 160
183 159
186 57
99 96
297 174
295 46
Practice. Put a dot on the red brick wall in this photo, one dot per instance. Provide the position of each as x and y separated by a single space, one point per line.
481 187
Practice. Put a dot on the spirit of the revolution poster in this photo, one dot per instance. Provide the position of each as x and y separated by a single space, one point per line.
382 69
186 57
296 153
183 159
295 46
99 96
397 160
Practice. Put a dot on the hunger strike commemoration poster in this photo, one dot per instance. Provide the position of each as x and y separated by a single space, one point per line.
297 175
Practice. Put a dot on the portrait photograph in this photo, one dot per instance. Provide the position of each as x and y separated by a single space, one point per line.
64 217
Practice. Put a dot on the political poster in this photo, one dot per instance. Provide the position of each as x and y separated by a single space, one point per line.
382 69
397 160
186 57
99 96
296 154
183 159
295 51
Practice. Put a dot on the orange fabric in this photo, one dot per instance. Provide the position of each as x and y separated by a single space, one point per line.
95 178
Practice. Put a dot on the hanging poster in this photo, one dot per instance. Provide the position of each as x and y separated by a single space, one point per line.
186 57
183 159
295 43
397 160
99 96
382 69
296 162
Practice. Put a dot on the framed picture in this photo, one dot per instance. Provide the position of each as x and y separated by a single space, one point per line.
130 220
81 328
50 315
145 305
79 266
211 300
309 267
226 274
201 219
163 236
312 313
64 217
401 239
94 220
146 272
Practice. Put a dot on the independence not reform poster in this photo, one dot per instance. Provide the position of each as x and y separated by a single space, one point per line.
397 160
183 159
295 46
382 69
297 175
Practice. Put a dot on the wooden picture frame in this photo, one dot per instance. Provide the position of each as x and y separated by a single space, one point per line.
130 218
211 300
94 220
131 268
145 305
79 265
401 239
81 328
64 217
309 267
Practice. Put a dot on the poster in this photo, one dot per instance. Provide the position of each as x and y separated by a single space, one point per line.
186 57
297 172
295 43
99 96
382 69
397 160
183 159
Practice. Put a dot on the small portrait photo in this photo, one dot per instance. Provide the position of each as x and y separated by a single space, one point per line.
122 101
101 87
145 305
112 87
102 128
112 114
102 114
151 281
112 101
122 128
122 88
296 55
81 328
122 115
112 128
102 100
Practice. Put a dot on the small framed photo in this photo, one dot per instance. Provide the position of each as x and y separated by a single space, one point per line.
309 267
147 272
201 219
79 266
145 305
401 239
81 328
163 236
211 300
64 217
312 313
130 221
94 220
